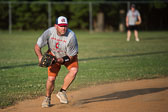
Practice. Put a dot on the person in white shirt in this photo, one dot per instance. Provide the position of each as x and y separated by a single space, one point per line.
62 43
132 17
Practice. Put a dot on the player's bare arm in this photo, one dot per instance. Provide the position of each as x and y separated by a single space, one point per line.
127 21
37 50
139 19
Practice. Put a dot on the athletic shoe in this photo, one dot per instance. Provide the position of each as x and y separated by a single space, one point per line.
46 102
62 97
137 39
128 40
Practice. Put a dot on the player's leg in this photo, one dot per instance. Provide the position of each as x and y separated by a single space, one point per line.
69 78
67 82
49 89
136 35
129 33
50 85
73 69
52 73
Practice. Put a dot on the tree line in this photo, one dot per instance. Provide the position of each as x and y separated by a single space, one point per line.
34 16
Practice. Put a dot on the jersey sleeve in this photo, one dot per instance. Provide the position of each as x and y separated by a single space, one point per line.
72 48
42 40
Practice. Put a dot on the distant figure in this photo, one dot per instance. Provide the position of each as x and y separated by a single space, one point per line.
133 19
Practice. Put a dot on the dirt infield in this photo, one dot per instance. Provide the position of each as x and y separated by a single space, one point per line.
131 96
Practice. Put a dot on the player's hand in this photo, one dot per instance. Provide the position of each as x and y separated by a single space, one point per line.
60 60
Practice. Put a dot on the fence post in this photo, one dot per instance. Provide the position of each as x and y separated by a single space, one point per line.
49 14
128 6
10 17
90 17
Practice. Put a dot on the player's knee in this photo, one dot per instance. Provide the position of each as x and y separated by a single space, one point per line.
73 71
51 79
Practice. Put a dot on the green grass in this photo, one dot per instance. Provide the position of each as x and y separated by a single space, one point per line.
103 58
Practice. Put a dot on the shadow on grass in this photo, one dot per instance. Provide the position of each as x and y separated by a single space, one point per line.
121 95
89 59
127 55
17 66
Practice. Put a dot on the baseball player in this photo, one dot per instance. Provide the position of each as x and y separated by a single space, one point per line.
133 19
62 43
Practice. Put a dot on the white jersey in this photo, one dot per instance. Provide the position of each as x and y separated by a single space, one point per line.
60 46
133 17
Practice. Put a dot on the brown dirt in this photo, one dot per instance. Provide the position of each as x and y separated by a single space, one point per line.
131 96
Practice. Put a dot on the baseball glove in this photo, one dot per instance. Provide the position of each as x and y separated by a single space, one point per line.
47 60
138 23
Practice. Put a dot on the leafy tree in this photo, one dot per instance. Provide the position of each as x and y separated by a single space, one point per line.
4 16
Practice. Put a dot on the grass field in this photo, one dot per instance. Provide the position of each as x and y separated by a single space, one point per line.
103 57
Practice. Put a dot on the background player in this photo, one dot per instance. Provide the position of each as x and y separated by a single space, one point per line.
132 17
62 44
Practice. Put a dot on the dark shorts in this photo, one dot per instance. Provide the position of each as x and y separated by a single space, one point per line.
132 27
